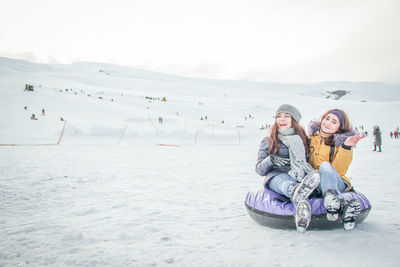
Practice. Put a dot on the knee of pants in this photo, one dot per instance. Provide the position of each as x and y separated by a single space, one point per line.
325 167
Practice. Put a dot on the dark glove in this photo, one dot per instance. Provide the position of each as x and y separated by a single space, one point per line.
279 161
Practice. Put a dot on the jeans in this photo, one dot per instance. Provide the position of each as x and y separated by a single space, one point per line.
281 183
330 179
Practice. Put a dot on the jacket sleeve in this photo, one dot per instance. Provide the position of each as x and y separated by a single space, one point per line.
264 164
342 160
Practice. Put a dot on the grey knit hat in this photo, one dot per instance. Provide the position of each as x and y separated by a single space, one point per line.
286 108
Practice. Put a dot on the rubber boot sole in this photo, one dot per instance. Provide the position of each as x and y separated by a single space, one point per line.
302 216
350 212
332 205
306 187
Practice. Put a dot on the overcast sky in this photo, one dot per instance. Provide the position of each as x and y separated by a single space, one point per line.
268 40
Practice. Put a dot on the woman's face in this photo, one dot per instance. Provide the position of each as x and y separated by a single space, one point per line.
330 124
284 121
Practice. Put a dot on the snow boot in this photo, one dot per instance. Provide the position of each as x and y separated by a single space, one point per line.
302 216
351 210
306 187
292 189
332 205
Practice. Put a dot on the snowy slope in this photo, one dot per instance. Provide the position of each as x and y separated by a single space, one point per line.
99 200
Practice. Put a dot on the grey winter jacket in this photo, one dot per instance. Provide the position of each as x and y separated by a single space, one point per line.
264 165
377 137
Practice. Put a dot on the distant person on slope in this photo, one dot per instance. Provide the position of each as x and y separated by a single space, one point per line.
377 138
331 152
283 164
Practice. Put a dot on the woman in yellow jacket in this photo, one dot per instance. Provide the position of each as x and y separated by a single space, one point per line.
331 152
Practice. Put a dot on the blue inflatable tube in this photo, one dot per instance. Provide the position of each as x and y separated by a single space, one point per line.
268 208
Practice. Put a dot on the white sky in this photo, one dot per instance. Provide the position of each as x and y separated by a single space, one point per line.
268 40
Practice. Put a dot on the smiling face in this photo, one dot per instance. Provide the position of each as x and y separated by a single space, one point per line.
283 121
330 124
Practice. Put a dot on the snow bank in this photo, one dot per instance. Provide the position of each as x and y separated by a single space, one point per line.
109 195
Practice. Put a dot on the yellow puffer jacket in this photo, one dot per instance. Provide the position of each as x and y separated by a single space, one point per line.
342 157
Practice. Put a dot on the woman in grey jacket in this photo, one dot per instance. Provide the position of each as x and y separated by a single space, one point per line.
377 138
283 164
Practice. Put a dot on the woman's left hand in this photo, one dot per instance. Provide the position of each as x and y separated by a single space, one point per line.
353 140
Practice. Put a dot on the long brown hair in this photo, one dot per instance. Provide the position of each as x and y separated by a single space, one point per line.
273 137
344 126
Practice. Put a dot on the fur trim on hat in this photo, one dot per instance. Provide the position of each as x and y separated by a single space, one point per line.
338 138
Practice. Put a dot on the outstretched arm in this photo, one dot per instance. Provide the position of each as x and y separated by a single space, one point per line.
353 140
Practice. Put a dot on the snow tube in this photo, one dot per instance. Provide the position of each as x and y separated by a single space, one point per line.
274 210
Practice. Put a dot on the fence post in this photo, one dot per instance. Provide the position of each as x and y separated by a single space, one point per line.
238 131
123 133
62 133
195 139
155 129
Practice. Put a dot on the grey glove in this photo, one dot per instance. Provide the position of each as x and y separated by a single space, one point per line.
279 161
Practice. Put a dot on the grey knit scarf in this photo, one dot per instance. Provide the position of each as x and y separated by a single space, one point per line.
298 162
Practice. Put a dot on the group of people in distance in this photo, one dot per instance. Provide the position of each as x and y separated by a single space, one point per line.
33 117
295 164
395 134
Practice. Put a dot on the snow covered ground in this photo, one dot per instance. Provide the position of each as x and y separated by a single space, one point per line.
109 195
